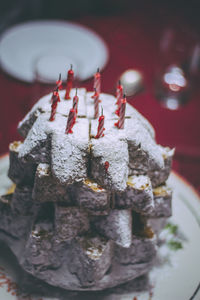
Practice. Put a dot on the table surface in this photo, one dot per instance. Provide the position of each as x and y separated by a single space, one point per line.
133 40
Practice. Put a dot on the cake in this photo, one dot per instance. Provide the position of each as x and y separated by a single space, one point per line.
86 211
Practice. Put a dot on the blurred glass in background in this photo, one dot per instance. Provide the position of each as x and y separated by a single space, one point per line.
179 63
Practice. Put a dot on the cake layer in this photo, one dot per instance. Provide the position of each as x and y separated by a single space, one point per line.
141 250
85 109
39 253
109 162
70 153
70 222
143 153
140 139
44 106
46 188
81 263
36 146
90 258
91 196
108 104
137 196
137 137
157 224
159 176
121 152
22 202
117 226
20 172
162 200
16 225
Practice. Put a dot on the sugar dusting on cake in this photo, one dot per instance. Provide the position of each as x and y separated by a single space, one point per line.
45 137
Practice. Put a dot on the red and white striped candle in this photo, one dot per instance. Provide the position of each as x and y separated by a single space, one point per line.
75 103
119 93
119 96
53 111
120 123
59 83
96 105
71 121
70 78
54 102
97 83
101 128
55 96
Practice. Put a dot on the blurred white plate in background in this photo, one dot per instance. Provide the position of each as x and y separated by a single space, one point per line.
21 45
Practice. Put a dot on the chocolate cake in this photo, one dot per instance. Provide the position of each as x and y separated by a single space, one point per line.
86 211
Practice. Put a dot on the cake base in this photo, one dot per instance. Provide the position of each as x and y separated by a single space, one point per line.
72 263
117 275
32 287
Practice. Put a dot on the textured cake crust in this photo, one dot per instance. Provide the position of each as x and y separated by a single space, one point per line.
137 196
45 188
141 250
159 176
102 151
20 172
117 226
137 137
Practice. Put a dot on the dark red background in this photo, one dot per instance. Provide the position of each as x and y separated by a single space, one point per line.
133 40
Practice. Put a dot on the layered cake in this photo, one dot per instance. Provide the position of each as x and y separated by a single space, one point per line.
87 209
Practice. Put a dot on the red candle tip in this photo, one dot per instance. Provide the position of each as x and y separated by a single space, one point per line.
117 112
106 165
70 78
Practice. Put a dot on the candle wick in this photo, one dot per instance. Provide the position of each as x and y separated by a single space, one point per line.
76 91
119 82
59 76
102 110
98 70
124 95
71 66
